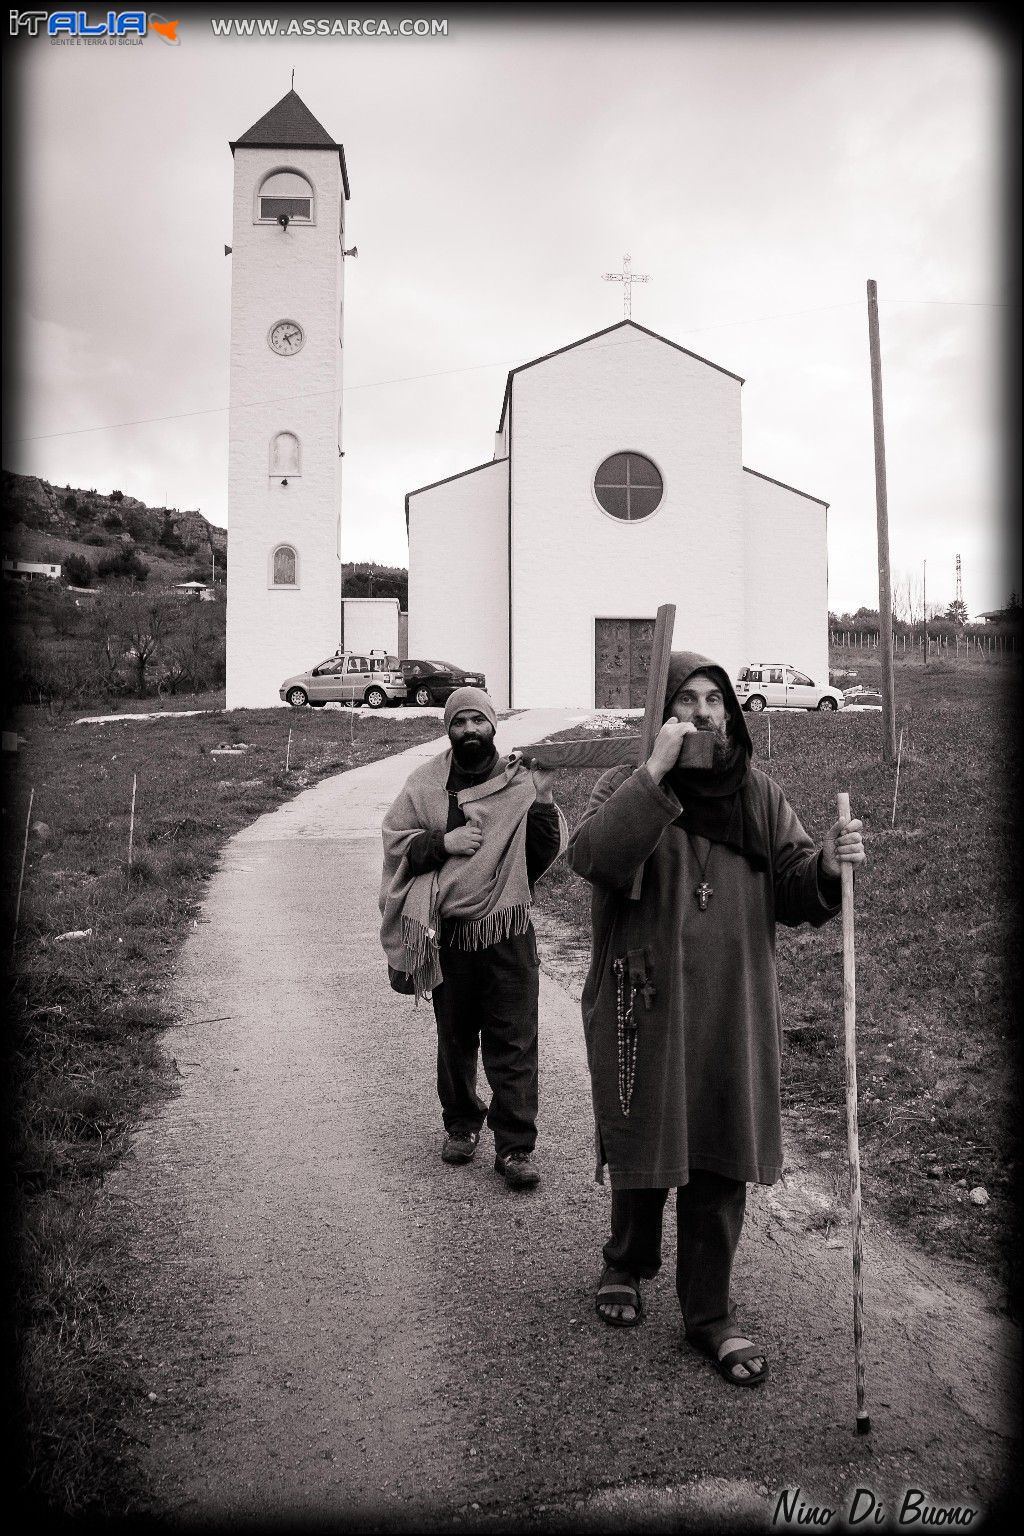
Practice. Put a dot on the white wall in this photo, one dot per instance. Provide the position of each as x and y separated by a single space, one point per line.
371 623
786 577
573 563
294 274
458 574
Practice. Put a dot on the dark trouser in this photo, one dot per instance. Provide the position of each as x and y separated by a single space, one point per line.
709 1218
487 1003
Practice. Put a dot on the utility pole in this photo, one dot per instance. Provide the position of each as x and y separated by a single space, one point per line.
882 524
924 606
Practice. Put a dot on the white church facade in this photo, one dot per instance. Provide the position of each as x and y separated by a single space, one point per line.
285 444
617 484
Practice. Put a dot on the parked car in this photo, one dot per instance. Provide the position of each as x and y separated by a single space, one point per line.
863 696
430 682
348 677
777 685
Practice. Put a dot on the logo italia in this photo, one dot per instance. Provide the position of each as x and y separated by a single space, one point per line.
77 24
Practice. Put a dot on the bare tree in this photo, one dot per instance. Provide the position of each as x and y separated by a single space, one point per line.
907 597
131 626
145 623
194 653
104 643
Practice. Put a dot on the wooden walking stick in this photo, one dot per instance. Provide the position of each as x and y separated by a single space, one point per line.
852 1137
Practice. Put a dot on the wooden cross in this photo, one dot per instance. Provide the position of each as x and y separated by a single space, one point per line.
627 279
614 751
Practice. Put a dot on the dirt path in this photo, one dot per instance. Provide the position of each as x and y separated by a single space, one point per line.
335 1323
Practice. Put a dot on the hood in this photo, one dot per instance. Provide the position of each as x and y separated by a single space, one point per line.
682 665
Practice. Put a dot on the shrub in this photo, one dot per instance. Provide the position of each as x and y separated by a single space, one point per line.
54 679
113 522
124 564
138 526
78 571
170 538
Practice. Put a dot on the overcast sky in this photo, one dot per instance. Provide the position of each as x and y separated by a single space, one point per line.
759 171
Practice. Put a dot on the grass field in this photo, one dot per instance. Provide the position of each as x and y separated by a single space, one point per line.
938 951
87 1011
937 947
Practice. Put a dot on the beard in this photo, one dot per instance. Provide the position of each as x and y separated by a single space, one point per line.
723 746
473 751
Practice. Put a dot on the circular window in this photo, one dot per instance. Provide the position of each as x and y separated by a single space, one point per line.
628 486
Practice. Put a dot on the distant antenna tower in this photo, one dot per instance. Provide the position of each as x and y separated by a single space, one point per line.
959 586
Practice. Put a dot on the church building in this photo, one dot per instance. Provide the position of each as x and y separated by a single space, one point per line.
617 484
284 420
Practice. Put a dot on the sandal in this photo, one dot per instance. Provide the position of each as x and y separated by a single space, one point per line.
740 1357
626 1294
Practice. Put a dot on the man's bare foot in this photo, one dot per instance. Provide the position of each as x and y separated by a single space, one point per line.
618 1299
753 1369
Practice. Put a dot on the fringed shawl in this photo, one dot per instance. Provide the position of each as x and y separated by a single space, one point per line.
484 897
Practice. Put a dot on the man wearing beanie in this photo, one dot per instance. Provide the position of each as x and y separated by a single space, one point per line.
681 1008
464 844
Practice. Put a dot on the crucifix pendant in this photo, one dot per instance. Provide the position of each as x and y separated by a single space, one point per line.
703 894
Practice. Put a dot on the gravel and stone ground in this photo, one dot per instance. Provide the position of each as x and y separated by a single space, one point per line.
338 1326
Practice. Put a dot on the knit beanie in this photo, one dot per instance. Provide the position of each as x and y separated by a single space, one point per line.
469 698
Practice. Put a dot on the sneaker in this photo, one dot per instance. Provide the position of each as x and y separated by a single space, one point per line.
518 1169
460 1145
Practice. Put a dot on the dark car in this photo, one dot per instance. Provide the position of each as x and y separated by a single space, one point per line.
863 697
430 682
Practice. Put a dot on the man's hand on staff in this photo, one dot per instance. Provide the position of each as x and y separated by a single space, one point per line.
544 784
667 746
843 845
461 842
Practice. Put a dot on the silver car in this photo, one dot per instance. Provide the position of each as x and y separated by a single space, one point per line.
777 685
349 677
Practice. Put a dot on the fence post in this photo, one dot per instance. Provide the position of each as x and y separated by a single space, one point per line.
131 823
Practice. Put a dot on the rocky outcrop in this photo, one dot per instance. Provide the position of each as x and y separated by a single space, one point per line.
70 513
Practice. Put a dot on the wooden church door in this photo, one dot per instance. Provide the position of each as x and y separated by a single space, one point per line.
622 662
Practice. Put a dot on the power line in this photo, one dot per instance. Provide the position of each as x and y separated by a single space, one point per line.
411 378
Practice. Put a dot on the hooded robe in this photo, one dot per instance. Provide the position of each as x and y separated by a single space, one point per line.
702 984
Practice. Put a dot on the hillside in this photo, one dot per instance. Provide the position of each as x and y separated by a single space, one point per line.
48 522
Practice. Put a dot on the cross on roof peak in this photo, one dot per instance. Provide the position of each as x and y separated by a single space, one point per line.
627 278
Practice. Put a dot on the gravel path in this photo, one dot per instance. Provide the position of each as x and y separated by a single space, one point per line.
337 1324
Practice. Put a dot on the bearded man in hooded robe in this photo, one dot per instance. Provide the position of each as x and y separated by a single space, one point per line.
681 1007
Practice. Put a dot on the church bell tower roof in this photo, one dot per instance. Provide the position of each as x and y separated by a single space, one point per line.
290 125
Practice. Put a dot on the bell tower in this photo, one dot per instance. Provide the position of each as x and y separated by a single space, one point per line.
284 416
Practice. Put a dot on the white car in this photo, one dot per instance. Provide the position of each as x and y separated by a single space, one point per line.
777 685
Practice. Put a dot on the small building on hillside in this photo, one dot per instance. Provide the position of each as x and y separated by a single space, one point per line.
30 570
200 589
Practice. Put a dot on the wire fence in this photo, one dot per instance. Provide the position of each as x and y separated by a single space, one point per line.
950 647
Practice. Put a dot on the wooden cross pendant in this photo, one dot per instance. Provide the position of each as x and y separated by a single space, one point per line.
703 894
